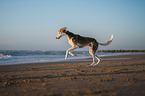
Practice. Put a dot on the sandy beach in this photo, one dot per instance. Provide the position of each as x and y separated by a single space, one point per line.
115 76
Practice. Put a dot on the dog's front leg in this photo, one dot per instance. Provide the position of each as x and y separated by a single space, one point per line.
70 50
66 54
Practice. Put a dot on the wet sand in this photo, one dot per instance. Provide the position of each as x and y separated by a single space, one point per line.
121 76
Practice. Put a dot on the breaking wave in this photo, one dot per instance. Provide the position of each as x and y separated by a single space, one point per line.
4 56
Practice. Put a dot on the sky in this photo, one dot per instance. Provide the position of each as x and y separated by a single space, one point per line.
33 24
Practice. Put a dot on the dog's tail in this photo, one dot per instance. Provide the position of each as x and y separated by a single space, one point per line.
108 42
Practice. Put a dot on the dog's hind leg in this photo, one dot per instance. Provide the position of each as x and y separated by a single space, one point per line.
98 60
69 51
92 64
93 49
93 55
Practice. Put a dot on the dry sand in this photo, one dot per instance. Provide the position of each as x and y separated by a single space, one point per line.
119 77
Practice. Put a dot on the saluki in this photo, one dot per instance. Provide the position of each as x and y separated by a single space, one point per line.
77 41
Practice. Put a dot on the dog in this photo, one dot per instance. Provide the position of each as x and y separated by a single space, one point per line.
77 41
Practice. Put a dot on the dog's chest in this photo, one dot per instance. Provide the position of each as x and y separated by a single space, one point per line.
71 43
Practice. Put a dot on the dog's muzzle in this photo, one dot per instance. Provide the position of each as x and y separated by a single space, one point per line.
58 37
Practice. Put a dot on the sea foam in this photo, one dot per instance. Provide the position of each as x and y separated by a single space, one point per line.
4 56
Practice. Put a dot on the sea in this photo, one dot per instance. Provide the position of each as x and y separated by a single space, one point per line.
12 57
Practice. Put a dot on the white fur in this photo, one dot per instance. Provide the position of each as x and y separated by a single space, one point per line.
60 34
71 43
108 42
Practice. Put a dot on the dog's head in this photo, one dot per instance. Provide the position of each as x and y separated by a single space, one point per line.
61 32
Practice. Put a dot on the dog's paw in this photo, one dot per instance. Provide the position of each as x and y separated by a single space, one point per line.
75 55
96 64
65 58
91 65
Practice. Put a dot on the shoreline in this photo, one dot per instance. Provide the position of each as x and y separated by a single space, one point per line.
117 77
77 59
10 57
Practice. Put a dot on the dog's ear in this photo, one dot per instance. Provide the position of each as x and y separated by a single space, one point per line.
63 29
